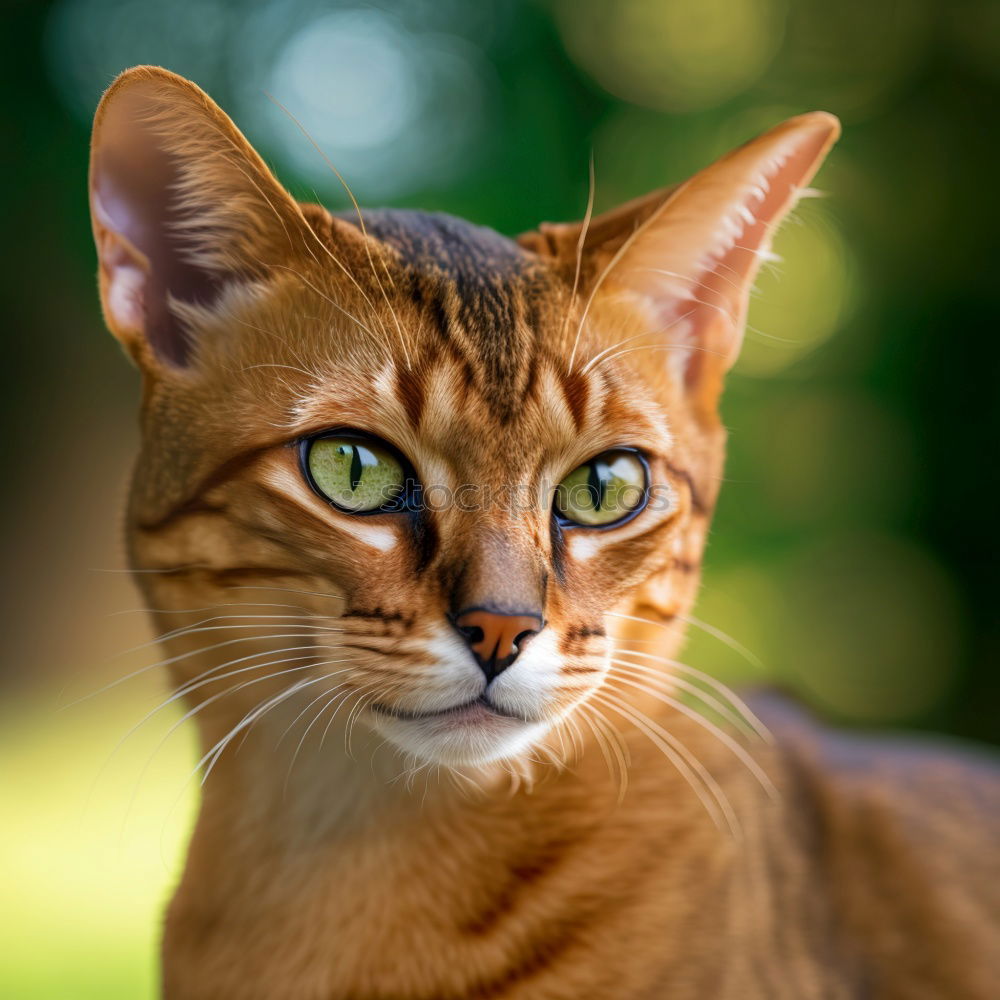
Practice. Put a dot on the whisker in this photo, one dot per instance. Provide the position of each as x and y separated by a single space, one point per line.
335 692
288 693
670 682
191 713
177 659
361 223
330 721
180 630
663 347
697 623
209 676
717 805
580 243
291 724
637 336
355 714
189 686
289 590
602 744
323 295
192 611
213 755
274 364
284 342
689 281
720 734
622 250
728 640
746 717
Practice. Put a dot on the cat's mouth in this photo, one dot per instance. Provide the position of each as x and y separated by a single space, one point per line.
471 733
478 709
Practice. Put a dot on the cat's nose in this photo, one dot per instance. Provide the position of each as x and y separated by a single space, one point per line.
495 639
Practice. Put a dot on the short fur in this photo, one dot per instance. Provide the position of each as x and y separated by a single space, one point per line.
602 838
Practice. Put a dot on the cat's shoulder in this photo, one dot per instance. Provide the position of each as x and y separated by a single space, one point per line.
902 831
914 808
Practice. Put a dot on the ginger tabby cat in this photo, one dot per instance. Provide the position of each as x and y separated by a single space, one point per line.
421 510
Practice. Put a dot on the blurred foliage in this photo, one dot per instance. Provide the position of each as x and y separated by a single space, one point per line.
851 550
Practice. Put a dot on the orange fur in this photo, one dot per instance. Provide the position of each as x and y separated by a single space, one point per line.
346 849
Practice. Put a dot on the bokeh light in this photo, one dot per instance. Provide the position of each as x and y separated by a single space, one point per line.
893 661
975 30
126 810
852 56
866 624
685 55
803 458
428 105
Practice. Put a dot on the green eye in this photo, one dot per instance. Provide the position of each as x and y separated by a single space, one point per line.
358 475
603 491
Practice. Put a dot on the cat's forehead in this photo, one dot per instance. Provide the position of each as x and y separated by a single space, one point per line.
485 302
478 364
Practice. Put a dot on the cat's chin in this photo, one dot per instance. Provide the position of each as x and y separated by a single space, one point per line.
468 736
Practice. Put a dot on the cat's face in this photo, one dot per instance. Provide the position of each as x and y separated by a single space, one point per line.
460 452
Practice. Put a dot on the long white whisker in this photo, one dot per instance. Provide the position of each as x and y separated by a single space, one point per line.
720 734
291 725
180 657
596 288
638 336
727 640
717 805
746 717
212 607
289 590
580 243
602 744
333 692
191 713
711 630
364 232
216 752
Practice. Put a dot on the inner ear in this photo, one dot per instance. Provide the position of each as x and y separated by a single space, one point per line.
138 219
719 286
181 205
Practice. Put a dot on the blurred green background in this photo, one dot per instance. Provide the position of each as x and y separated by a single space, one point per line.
852 548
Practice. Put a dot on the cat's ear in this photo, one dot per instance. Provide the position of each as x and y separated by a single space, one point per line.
181 205
689 255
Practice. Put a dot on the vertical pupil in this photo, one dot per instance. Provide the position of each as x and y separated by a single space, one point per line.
356 466
597 483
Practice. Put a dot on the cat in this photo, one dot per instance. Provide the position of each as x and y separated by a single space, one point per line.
420 511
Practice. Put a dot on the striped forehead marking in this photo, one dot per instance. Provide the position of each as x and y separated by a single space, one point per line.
486 296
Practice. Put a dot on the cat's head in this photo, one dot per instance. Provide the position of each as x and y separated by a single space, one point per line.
460 452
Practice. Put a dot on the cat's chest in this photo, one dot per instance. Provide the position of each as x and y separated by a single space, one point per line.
609 915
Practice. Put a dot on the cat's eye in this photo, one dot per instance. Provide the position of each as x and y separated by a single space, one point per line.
357 473
607 490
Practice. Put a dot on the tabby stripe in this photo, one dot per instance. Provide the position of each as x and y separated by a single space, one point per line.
697 504
411 390
194 504
576 389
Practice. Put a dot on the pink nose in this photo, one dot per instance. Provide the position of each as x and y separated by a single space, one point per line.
496 639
